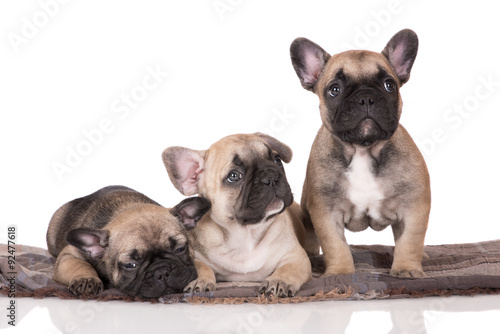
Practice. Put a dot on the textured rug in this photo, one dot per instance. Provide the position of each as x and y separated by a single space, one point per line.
457 269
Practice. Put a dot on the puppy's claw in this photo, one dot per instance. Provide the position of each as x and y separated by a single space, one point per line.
86 286
199 286
263 287
277 288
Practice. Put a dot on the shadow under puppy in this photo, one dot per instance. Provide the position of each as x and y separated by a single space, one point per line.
120 236
253 228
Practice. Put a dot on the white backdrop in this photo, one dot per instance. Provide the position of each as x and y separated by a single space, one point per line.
93 91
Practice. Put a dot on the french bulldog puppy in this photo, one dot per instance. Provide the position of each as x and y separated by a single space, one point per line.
364 169
253 228
119 236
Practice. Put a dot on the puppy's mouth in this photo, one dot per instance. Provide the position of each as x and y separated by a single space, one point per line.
266 194
274 208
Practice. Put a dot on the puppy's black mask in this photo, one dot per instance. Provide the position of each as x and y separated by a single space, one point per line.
363 111
263 188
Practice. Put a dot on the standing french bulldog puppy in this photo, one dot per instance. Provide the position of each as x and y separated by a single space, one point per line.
253 229
364 169
119 236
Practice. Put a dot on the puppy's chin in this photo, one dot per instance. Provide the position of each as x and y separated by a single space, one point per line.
275 207
366 133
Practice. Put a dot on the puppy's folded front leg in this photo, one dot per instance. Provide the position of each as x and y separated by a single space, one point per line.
73 270
287 279
205 281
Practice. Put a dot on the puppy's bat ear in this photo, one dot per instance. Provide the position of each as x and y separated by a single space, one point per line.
90 241
184 167
401 52
308 60
283 150
190 211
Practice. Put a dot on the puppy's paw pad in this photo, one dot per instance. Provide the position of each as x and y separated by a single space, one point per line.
278 288
86 286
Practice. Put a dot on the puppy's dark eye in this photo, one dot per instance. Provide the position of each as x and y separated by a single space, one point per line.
334 90
180 249
130 265
277 160
234 176
389 85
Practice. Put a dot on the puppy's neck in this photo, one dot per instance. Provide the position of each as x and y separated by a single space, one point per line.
349 150
235 233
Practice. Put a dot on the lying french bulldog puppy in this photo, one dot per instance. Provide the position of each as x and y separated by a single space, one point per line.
253 228
364 169
119 236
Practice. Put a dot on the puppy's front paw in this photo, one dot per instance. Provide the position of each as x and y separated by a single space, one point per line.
86 286
199 285
408 272
339 269
278 288
407 269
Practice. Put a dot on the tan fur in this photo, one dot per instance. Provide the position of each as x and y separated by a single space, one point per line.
52 232
228 251
407 212
143 220
135 225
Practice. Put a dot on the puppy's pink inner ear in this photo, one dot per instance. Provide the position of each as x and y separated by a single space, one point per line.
188 213
314 65
397 60
92 245
193 169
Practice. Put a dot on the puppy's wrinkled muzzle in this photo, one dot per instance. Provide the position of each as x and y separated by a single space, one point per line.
269 194
165 278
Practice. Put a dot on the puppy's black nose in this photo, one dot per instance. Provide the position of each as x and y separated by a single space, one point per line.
268 177
158 274
161 273
366 100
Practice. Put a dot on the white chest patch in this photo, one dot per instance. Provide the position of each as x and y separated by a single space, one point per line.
364 190
246 254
